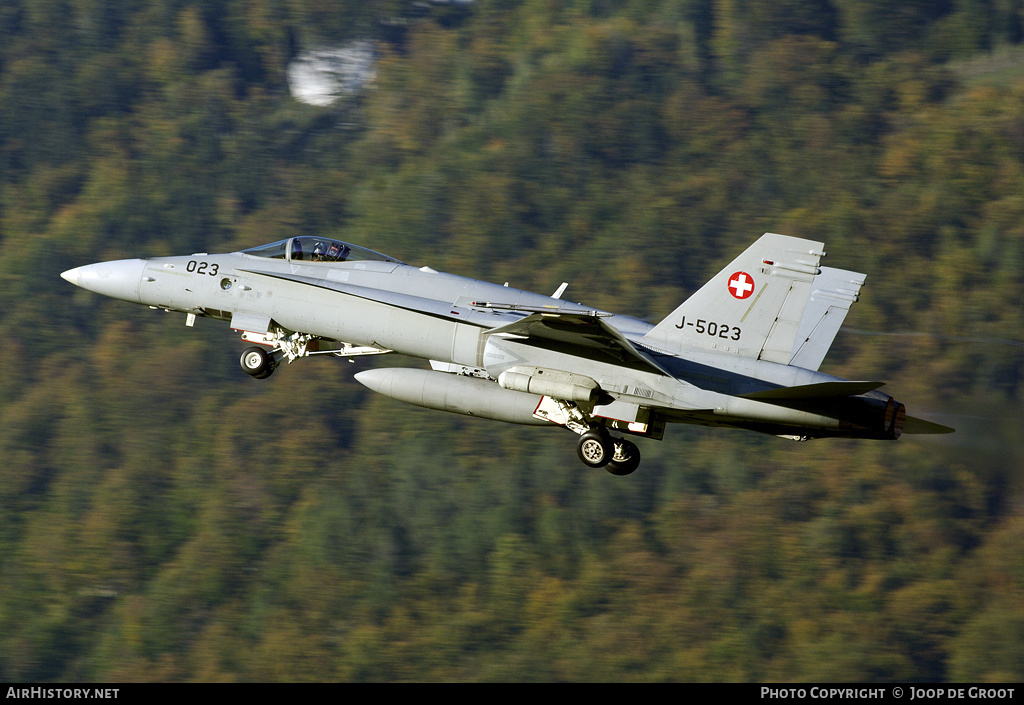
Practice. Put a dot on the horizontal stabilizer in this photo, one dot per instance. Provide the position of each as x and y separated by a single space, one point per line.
823 390
920 426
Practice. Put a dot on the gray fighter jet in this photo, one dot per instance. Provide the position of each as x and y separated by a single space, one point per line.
742 352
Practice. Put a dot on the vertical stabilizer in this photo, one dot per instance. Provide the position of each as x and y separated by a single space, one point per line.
753 308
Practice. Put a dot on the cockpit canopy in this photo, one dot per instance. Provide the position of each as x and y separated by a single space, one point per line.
310 248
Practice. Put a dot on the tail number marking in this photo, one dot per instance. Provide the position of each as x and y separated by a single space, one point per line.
715 330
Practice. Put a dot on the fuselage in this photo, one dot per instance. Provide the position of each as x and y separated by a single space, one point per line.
415 311
327 290
727 356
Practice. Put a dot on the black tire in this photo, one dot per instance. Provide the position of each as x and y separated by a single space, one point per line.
625 460
595 449
256 362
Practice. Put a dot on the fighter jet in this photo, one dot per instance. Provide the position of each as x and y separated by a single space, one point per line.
741 352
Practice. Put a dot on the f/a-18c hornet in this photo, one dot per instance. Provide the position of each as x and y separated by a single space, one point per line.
741 352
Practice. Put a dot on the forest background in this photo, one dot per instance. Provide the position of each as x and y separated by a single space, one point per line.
165 517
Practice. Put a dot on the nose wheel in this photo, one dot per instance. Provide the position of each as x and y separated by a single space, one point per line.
257 362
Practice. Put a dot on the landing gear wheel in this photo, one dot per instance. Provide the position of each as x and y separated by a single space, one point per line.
626 459
595 449
257 362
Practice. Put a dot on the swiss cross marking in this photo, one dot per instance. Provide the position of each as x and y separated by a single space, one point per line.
741 285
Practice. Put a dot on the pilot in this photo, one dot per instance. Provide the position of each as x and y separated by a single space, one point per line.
318 252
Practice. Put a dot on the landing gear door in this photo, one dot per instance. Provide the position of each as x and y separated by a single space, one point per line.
250 323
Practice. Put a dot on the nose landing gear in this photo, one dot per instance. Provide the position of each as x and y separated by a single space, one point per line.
258 362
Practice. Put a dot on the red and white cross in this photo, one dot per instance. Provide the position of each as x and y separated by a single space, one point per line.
741 285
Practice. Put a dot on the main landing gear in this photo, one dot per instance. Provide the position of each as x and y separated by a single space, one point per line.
598 449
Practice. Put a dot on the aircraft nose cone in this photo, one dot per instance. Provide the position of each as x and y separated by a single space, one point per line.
118 279
71 275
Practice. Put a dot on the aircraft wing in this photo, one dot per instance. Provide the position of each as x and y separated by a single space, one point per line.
581 334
